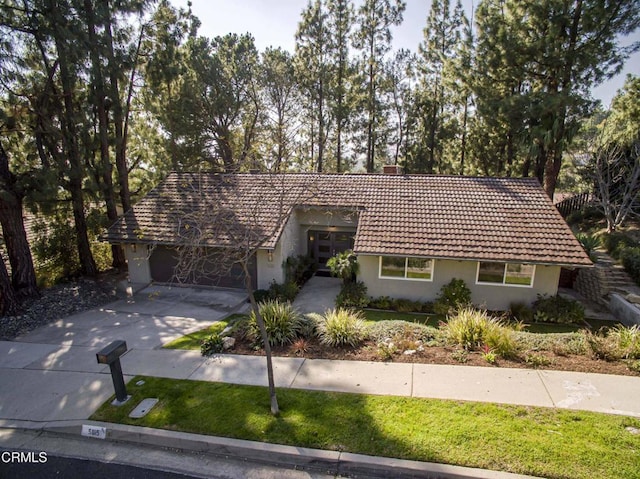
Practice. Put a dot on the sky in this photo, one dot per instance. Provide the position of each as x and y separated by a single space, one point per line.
274 23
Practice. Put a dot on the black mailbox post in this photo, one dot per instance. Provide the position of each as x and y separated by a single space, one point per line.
110 355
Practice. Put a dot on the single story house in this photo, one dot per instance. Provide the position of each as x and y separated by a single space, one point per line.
411 233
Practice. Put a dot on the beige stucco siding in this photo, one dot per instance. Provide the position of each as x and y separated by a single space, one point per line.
288 245
138 263
495 297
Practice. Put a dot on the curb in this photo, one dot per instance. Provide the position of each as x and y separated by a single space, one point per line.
336 463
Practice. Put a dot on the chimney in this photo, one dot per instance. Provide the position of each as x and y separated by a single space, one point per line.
392 170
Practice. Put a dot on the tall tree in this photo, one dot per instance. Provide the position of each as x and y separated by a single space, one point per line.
312 70
340 17
281 100
442 38
373 38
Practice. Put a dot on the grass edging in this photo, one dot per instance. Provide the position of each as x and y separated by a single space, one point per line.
526 440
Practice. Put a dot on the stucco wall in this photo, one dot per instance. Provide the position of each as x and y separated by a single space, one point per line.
495 297
289 245
138 263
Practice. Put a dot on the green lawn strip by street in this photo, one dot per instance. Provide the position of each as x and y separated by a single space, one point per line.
194 340
537 441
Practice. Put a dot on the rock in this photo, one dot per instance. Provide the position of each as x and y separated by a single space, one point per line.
228 343
409 352
633 298
632 430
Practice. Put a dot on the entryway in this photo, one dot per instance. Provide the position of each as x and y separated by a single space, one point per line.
326 244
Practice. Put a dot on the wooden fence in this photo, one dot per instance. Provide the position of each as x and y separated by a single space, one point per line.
574 203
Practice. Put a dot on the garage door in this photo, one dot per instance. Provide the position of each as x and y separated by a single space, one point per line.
163 261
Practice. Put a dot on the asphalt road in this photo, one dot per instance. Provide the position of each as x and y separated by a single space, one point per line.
64 467
62 457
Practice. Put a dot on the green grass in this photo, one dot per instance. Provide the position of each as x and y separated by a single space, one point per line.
526 440
194 340
552 328
372 316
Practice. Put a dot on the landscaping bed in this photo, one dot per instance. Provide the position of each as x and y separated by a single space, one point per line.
551 351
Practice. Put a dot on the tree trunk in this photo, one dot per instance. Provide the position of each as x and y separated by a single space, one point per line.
23 276
275 410
9 305
70 138
120 120
106 169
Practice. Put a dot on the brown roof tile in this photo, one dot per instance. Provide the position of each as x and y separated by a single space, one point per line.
478 218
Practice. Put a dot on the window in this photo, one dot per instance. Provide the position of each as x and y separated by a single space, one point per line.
512 274
400 267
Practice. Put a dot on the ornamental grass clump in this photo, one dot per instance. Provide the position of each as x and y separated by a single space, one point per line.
473 329
341 327
282 322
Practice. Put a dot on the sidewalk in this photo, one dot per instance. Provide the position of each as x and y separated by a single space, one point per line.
51 380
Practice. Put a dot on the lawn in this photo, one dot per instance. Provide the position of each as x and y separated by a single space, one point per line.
194 340
526 440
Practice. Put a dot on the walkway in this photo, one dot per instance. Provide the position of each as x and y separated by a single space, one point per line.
318 294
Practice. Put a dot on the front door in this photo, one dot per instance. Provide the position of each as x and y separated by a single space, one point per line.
325 244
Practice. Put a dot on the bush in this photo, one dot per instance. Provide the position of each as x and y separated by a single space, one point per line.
283 292
630 258
298 269
472 329
382 330
521 312
615 243
619 342
261 295
282 322
559 343
340 327
589 243
344 265
352 295
556 309
212 345
453 296
407 306
383 302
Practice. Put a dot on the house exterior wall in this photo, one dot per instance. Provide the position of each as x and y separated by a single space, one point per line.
494 297
293 241
289 245
138 262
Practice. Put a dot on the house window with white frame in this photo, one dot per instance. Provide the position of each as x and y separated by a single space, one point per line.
401 267
507 274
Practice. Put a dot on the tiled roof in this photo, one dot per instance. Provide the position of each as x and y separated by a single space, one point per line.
456 217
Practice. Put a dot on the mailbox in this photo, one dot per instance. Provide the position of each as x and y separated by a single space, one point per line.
110 355
113 351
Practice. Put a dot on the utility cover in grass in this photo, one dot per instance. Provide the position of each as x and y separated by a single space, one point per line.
143 408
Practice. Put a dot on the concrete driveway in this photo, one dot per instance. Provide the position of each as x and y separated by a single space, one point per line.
51 373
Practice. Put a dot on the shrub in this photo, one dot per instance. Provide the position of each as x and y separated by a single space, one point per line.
383 302
353 295
630 258
261 295
344 265
382 330
556 309
615 243
407 306
589 243
472 329
521 312
298 269
559 343
625 341
603 346
537 360
282 322
341 327
283 292
212 345
453 296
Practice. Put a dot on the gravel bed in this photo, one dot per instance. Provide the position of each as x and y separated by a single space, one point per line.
57 302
